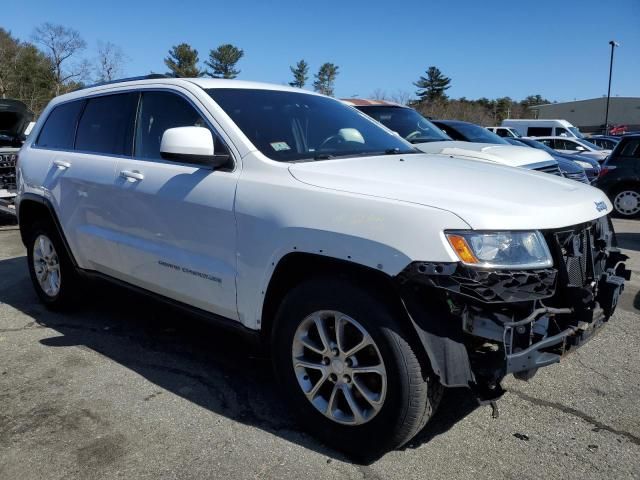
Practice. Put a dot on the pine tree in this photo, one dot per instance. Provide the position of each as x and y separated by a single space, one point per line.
433 86
325 78
222 61
300 74
183 61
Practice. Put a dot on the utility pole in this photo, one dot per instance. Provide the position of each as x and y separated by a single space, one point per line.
613 44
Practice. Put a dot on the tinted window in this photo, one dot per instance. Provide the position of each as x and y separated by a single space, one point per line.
562 132
539 131
60 127
289 126
469 132
106 126
627 151
407 123
160 111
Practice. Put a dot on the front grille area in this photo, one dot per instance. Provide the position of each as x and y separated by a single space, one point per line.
578 177
8 170
579 251
552 169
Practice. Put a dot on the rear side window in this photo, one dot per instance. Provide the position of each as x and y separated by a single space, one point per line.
160 111
106 126
60 127
539 131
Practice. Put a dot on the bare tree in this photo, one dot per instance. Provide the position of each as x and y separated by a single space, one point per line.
379 94
402 97
109 63
62 45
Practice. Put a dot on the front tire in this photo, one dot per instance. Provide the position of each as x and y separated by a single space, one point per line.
52 272
349 369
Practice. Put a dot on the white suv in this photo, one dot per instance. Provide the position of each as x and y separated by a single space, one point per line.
375 273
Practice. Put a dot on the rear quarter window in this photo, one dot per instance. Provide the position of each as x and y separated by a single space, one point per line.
60 126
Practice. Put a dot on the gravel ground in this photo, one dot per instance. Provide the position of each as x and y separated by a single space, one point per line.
124 387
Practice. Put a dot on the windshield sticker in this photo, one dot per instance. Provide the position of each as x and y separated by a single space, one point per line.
280 146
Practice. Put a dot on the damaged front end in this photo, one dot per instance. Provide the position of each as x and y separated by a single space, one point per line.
478 325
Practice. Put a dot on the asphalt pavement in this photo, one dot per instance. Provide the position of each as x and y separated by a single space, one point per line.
123 387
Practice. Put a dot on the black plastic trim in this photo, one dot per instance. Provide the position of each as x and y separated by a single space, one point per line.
220 321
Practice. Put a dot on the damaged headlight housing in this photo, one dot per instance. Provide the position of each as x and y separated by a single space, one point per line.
502 250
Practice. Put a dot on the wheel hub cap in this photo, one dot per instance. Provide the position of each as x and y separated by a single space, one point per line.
339 367
627 202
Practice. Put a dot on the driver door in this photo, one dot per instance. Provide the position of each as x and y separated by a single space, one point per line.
177 233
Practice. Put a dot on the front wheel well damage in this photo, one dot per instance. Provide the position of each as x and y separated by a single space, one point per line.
297 267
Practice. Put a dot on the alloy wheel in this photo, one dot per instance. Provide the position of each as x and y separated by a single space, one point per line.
339 367
46 265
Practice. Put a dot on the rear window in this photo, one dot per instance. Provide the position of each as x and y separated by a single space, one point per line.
106 126
627 150
539 131
60 127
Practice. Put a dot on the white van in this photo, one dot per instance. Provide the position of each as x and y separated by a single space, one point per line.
529 127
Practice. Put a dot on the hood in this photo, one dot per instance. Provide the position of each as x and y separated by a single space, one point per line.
502 154
485 196
14 119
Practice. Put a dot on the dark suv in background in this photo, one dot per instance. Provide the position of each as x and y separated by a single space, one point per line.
620 177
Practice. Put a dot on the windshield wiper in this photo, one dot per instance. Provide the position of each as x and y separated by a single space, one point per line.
323 156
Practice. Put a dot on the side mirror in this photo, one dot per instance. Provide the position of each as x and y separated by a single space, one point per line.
581 149
191 145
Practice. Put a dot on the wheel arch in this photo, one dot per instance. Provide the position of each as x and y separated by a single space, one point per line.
295 267
32 208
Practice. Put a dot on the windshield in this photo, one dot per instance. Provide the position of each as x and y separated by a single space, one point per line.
408 123
471 133
576 131
292 126
592 146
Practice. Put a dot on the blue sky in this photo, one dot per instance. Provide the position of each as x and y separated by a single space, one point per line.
489 48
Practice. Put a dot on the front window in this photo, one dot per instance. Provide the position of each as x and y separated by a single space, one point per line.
292 126
407 123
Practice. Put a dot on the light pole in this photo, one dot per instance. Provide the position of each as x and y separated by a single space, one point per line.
613 44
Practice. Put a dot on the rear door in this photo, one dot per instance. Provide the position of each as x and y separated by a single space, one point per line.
176 224
83 140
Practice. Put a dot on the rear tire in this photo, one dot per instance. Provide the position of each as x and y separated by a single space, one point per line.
391 410
626 202
52 272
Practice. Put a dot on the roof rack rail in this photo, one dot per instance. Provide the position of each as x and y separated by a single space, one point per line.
151 76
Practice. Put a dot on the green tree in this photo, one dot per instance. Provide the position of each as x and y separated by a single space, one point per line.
183 61
503 109
325 79
222 61
532 100
433 86
26 74
300 74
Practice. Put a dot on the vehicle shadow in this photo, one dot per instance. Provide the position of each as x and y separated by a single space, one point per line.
171 350
629 241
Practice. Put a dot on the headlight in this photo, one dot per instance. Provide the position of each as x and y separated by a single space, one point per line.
584 164
501 249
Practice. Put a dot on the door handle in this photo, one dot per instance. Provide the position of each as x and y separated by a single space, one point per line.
61 164
132 175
